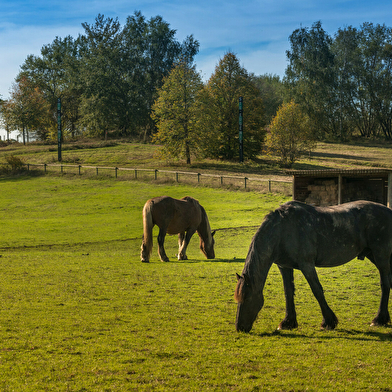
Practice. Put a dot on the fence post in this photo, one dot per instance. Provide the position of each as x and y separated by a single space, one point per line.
28 167
61 166
245 178
115 169
45 168
97 170
135 174
269 186
198 177
176 176
80 166
221 180
156 174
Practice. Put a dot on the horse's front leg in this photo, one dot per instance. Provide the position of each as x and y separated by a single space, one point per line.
161 241
330 321
290 320
182 250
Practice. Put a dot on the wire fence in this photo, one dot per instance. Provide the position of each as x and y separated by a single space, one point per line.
167 176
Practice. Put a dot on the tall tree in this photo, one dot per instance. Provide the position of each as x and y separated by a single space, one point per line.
311 77
124 68
54 74
272 93
6 119
153 51
219 107
27 109
102 75
176 112
344 84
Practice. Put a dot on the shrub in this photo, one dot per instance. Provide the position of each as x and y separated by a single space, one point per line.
14 164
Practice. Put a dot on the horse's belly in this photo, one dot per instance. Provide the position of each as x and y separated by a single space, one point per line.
334 257
172 230
175 228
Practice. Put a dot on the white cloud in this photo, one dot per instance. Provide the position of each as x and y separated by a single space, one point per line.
16 43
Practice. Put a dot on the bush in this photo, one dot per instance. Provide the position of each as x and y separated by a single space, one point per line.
14 164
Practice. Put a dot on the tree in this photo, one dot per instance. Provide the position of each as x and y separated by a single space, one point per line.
311 77
27 109
56 74
290 134
108 77
103 84
176 112
272 93
156 51
6 119
219 119
344 83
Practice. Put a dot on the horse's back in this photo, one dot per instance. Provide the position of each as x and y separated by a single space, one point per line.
176 215
331 235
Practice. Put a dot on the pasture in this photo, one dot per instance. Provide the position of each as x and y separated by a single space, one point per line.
80 312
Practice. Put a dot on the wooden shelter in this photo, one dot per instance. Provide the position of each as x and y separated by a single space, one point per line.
336 186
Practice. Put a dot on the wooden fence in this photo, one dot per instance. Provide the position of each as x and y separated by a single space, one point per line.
161 176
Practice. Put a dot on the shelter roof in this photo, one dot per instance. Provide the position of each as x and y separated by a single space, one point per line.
337 172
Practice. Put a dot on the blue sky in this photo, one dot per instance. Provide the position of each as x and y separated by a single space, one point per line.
256 31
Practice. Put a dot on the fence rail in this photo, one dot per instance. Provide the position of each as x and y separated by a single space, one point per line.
205 178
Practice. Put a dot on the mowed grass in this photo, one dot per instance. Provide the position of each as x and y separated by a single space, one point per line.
80 312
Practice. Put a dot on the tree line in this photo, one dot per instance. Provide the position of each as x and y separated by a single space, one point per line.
107 78
137 80
344 83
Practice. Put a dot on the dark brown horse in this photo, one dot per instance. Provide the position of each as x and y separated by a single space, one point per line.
183 217
299 236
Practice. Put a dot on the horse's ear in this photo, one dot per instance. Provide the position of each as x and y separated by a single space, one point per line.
213 232
238 276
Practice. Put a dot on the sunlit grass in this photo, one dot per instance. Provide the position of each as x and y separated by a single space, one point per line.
80 312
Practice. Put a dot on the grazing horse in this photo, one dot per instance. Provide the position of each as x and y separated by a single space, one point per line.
300 236
172 216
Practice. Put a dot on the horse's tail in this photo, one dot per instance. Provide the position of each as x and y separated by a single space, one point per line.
147 231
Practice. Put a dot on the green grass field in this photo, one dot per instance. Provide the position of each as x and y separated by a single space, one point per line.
80 312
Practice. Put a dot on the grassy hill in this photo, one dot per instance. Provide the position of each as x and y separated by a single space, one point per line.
121 153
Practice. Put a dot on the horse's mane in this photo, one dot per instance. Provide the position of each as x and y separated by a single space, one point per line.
239 292
204 228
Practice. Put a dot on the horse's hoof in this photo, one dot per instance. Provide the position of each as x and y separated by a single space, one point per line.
165 260
145 261
378 324
287 325
328 327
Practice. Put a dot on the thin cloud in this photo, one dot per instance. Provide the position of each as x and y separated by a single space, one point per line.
256 31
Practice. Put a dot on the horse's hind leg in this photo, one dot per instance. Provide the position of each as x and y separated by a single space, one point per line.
181 239
182 250
161 241
383 317
290 320
330 321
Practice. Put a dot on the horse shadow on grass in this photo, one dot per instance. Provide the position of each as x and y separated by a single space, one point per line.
196 261
350 334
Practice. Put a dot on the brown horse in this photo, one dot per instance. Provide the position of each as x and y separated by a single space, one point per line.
172 216
303 237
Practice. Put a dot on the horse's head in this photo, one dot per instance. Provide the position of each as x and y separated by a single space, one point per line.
250 301
207 247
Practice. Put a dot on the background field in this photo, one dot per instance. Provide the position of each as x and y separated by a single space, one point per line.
80 312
